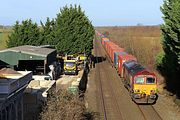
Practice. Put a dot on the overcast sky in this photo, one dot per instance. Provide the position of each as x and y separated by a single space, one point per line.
100 12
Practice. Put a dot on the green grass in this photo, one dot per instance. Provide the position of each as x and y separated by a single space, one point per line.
4 37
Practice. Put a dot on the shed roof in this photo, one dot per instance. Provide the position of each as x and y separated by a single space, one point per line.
34 50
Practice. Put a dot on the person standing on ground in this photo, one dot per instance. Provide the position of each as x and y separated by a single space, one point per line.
92 61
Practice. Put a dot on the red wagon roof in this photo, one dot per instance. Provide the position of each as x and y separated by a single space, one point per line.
127 57
105 38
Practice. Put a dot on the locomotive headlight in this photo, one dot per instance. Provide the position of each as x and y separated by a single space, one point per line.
136 90
153 91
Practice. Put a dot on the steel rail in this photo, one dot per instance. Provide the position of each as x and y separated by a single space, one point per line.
142 112
144 116
101 89
110 83
157 113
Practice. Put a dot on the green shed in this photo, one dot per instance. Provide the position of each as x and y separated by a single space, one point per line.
34 58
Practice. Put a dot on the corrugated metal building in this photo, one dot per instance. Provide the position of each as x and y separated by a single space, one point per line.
33 58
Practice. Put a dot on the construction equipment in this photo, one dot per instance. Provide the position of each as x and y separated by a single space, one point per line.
82 58
70 67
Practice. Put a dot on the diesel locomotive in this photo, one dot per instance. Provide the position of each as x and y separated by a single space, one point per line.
140 82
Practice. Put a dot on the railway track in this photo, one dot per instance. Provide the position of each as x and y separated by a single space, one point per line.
97 76
148 111
111 106
101 95
109 103
144 109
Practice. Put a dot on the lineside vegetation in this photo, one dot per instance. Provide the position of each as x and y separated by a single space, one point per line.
140 41
169 61
63 105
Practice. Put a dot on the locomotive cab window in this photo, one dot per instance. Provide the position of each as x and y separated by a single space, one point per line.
150 80
69 64
139 80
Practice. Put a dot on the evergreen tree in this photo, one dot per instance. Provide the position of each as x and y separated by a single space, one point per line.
171 41
74 32
71 32
47 33
26 33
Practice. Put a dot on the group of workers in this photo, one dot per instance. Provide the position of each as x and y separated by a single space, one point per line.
92 61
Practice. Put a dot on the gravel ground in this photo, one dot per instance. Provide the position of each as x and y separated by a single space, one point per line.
167 108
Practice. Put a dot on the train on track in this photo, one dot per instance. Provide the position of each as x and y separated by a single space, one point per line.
140 82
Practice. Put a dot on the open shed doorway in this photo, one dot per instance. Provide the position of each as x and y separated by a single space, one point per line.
36 66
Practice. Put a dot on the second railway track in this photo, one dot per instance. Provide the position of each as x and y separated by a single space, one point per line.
110 107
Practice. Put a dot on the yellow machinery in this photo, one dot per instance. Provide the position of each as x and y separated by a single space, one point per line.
72 63
70 67
81 58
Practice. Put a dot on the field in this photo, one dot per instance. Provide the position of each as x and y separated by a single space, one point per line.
4 37
144 42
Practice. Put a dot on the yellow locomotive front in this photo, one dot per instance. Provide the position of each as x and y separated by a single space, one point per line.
144 89
142 83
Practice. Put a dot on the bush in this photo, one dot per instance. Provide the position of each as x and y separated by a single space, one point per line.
159 59
63 105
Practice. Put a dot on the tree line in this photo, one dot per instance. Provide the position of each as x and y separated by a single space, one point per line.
70 32
168 62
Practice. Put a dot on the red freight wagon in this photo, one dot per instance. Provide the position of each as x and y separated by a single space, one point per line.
116 57
113 50
108 44
121 59
103 40
111 47
105 44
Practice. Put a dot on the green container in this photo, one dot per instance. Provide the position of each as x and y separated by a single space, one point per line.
73 89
